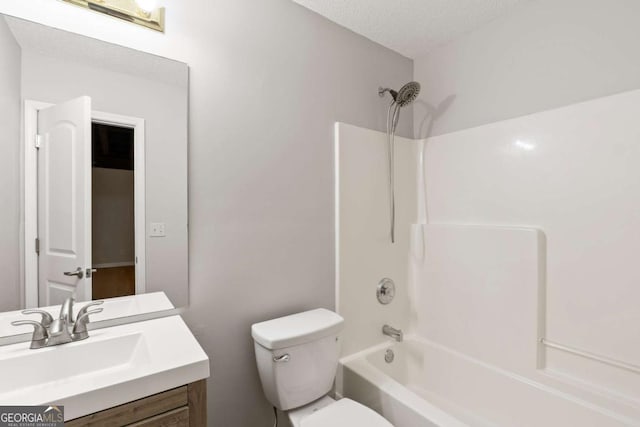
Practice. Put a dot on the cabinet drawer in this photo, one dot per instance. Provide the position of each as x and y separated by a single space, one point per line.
136 411
176 418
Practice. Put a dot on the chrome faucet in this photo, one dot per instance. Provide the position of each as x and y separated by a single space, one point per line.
394 333
58 333
50 332
66 310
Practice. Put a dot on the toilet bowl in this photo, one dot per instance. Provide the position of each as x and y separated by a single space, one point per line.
297 358
326 412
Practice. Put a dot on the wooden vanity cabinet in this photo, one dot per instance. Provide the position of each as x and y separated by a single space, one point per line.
184 406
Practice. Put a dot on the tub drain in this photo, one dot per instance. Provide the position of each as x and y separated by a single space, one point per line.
389 356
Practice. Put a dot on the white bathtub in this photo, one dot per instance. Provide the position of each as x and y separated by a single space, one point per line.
428 385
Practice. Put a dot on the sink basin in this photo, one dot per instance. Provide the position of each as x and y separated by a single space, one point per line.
113 366
52 367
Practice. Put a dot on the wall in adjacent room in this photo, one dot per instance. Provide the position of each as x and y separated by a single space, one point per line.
112 217
268 80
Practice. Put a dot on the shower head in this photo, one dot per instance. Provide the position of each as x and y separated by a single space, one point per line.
405 96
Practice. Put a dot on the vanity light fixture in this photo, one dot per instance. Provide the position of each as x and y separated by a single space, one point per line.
141 12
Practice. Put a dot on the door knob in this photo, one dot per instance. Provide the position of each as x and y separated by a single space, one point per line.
79 273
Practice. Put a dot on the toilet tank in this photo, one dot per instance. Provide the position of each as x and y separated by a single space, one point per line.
297 356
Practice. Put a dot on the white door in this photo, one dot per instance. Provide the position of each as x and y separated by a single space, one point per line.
64 202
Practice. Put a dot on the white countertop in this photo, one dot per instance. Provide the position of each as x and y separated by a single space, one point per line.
113 366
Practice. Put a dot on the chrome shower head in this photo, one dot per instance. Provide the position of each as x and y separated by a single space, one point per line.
405 96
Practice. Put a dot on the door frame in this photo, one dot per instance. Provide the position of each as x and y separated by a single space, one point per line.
30 206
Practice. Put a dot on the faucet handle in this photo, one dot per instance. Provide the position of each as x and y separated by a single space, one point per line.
80 328
40 335
84 316
47 318
86 308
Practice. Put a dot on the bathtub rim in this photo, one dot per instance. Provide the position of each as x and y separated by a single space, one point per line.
359 363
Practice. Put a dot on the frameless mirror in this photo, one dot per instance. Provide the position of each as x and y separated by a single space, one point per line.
93 172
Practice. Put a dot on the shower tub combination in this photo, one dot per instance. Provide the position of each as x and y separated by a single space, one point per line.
505 330
417 383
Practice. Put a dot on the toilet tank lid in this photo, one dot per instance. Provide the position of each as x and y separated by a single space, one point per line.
297 328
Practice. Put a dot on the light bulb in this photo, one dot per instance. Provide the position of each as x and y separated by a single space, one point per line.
147 5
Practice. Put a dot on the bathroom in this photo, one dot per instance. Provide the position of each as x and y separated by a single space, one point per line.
514 162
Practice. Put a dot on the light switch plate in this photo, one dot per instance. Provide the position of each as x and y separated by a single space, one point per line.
157 229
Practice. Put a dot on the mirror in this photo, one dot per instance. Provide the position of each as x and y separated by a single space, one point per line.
93 171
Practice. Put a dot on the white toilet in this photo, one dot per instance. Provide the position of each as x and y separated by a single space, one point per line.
297 359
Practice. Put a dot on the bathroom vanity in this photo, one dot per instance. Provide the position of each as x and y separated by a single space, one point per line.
138 373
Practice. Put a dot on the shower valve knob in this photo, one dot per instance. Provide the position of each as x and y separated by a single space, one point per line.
385 291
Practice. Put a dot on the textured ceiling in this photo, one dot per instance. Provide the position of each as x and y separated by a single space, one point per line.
411 27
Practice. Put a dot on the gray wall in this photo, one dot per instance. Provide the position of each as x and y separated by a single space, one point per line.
9 170
268 79
271 81
163 106
112 212
546 54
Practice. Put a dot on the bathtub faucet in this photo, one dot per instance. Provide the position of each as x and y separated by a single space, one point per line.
394 333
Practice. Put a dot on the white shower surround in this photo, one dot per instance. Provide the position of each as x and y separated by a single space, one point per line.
570 173
364 254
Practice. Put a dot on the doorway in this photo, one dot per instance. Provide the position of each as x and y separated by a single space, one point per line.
113 211
119 147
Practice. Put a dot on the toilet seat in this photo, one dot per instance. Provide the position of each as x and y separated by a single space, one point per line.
345 413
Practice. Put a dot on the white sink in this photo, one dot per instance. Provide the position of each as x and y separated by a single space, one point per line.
113 366
52 366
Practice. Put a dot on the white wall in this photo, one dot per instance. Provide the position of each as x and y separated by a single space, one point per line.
112 216
366 254
545 54
9 169
268 80
163 106
572 174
